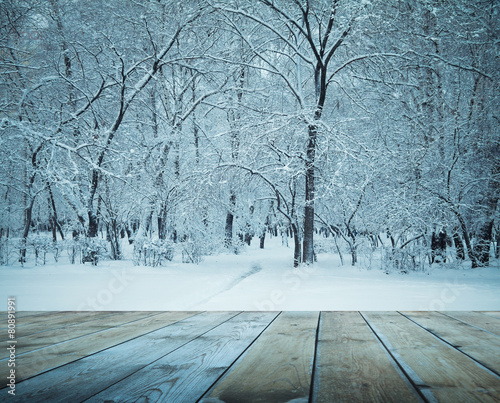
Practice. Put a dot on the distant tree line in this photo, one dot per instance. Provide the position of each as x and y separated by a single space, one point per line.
206 123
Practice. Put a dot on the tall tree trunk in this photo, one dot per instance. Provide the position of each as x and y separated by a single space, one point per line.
113 238
29 201
228 241
93 225
262 239
296 246
497 239
485 232
54 214
308 242
195 124
354 253
162 222
459 246
483 244
465 234
27 223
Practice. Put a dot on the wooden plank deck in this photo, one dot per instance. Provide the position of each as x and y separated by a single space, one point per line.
214 357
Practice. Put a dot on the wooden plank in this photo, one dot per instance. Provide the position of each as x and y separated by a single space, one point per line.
84 378
73 330
22 318
479 344
24 314
437 369
44 339
43 331
495 314
353 366
278 366
478 319
53 356
43 317
34 324
187 373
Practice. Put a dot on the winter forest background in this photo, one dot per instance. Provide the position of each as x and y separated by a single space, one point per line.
191 128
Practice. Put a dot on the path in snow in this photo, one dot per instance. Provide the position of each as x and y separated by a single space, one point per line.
256 267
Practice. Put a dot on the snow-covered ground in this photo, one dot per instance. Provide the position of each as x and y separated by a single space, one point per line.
253 280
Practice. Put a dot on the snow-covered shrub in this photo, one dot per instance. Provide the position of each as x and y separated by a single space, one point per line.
238 246
152 252
5 251
93 250
41 245
412 257
192 252
209 243
325 245
73 248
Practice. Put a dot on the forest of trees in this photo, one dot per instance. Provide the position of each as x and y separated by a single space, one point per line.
208 122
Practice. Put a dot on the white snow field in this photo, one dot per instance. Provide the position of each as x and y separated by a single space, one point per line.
253 280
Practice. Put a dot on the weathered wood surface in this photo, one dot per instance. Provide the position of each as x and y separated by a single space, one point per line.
277 368
55 355
478 319
494 314
23 314
185 374
52 336
35 323
479 344
215 357
352 366
100 370
439 370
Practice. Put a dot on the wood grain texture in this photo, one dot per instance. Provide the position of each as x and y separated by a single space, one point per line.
35 323
495 314
353 366
439 370
262 357
277 368
80 380
185 374
35 362
478 319
72 331
24 314
479 344
74 318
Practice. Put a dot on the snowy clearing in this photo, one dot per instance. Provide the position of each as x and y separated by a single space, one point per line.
254 280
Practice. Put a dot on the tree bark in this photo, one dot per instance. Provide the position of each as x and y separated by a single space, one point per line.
497 249
296 246
485 231
262 240
308 242
465 234
483 244
27 223
93 225
162 222
54 215
459 246
354 255
228 242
